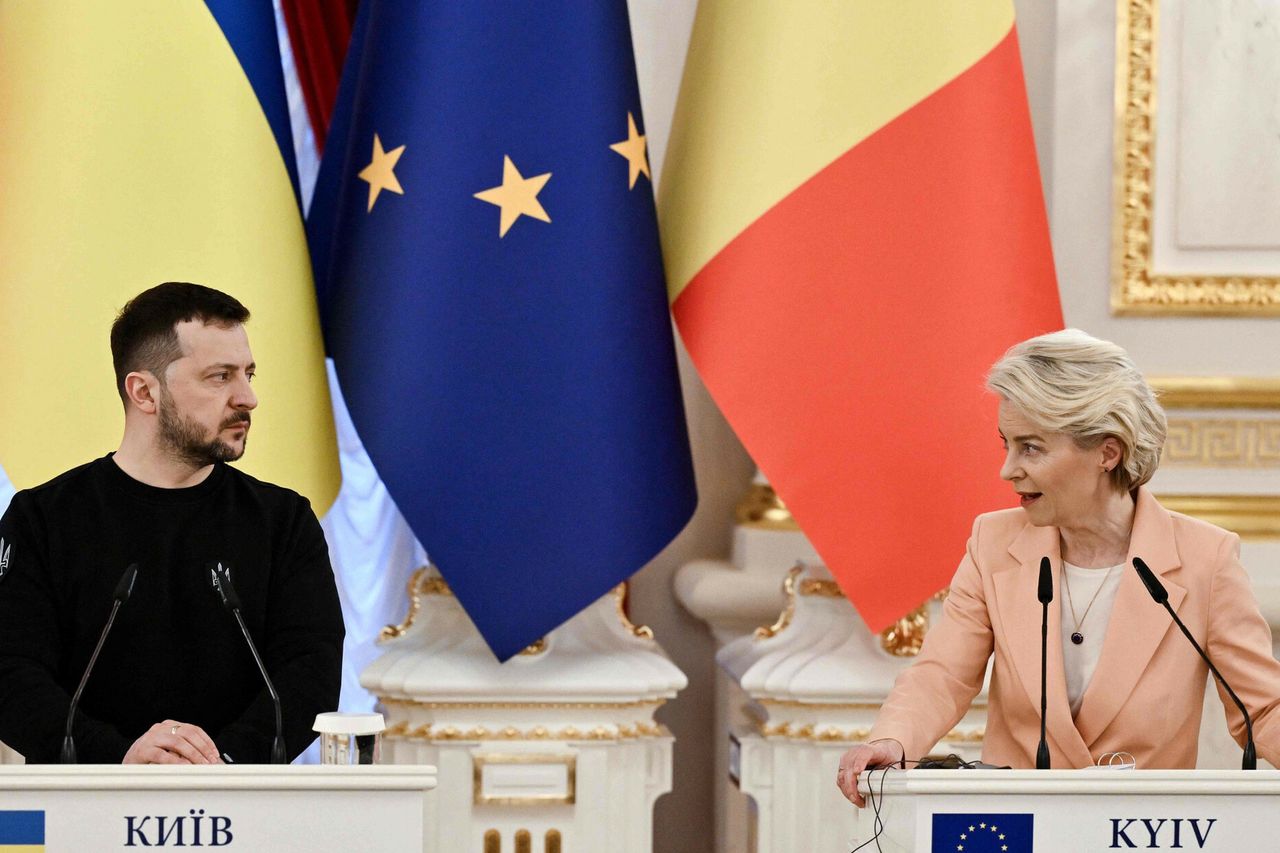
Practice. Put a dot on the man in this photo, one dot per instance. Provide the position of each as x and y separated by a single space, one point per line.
175 682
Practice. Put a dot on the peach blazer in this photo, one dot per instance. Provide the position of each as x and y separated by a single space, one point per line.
1147 692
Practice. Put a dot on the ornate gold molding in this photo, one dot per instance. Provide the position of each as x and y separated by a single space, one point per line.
1217 392
392 632
762 509
819 706
905 637
807 731
479 797
420 584
788 610
644 632
624 731
537 647
1223 443
1135 287
830 734
823 589
395 701
1250 516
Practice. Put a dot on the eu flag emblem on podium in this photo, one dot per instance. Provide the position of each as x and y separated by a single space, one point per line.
982 833
21 831
491 288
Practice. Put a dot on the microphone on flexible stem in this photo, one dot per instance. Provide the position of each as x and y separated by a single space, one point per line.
220 580
1161 596
124 588
1045 594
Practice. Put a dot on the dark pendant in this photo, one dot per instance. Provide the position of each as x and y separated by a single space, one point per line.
1077 638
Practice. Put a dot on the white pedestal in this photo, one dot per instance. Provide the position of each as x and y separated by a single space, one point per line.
555 750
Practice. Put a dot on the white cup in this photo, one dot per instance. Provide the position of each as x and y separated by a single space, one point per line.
347 738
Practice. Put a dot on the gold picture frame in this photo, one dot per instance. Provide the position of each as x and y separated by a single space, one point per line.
1136 289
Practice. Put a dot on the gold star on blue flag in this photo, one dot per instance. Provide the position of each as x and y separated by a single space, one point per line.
500 331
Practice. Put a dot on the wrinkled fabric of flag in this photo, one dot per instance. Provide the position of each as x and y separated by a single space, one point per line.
492 296
144 141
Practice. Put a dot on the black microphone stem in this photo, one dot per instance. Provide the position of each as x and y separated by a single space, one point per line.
1045 594
1250 759
124 588
68 744
1161 596
1042 751
277 744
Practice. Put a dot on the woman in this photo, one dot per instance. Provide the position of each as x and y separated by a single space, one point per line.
1082 433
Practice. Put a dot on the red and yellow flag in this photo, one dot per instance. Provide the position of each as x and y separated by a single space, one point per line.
854 232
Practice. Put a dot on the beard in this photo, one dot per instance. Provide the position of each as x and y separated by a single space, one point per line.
185 439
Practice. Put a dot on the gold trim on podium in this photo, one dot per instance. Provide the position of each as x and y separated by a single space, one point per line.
644 632
413 591
789 609
570 762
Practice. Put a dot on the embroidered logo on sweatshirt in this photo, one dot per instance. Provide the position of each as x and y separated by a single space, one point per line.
4 558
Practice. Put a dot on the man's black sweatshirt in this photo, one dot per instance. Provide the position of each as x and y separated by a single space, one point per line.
174 652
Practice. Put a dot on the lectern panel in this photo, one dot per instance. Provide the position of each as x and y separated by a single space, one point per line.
1069 811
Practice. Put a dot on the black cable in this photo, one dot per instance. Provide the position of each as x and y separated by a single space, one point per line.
877 826
876 800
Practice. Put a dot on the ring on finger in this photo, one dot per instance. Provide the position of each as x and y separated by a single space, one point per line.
173 730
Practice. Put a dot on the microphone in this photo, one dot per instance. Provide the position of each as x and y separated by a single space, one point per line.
220 580
124 588
1045 594
1161 596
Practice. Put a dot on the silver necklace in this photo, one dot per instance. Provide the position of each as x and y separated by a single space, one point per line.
1076 636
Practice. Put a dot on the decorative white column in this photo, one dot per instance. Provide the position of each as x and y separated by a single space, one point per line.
798 690
815 680
555 750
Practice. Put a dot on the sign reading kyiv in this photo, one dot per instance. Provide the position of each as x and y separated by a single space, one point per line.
194 829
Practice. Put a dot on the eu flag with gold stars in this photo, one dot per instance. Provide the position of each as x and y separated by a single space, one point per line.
490 280
983 833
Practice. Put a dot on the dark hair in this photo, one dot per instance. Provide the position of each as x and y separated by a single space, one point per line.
144 335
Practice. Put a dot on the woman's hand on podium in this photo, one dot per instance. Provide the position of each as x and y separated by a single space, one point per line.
877 753
172 742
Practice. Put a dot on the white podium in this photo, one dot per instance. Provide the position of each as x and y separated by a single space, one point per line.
246 808
1009 811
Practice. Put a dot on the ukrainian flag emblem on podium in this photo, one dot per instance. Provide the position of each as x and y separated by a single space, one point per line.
982 833
21 832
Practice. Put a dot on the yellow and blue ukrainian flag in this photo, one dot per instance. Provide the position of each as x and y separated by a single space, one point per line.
21 831
143 141
492 294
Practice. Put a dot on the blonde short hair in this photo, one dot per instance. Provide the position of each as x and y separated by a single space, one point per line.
1089 389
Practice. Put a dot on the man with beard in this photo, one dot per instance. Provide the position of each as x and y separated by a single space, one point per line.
175 682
